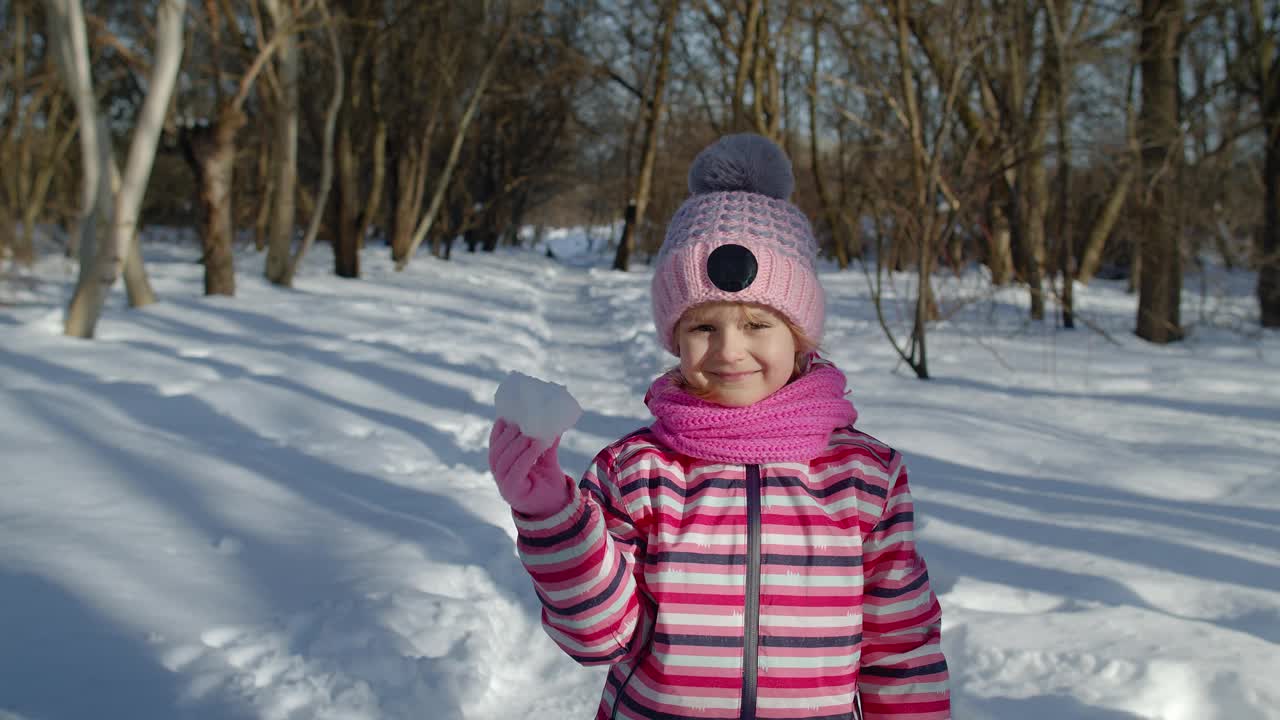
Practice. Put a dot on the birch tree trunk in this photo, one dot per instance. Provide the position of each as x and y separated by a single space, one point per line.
326 166
284 151
101 263
70 43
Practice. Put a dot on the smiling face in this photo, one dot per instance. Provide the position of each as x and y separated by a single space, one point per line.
734 354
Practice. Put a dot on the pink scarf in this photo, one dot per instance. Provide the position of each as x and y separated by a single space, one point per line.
792 425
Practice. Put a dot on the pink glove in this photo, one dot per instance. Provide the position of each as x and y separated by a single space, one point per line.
528 473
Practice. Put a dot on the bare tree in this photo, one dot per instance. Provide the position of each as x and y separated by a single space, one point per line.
1160 287
1254 63
283 150
416 104
362 135
326 150
36 131
210 146
519 143
460 133
654 107
101 263
840 212
909 146
750 42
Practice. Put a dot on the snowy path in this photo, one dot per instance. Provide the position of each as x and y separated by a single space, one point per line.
276 506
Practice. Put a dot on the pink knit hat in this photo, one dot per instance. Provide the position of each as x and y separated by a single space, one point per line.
738 239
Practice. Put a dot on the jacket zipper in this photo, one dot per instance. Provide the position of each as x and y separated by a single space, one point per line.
751 617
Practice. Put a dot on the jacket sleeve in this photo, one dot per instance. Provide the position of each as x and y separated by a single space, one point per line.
903 673
584 562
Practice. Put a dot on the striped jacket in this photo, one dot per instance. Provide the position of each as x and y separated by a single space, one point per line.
780 590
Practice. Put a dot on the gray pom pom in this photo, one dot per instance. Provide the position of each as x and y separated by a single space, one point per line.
747 163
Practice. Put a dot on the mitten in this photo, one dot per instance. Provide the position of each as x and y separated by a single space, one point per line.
527 471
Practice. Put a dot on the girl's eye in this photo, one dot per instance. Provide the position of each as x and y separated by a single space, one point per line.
758 326
702 328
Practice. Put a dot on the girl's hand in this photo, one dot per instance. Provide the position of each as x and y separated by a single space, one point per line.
527 471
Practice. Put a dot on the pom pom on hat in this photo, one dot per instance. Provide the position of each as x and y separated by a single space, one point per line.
746 163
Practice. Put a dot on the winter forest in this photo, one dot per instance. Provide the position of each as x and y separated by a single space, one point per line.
263 264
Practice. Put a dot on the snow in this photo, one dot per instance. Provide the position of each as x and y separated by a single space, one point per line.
278 506
541 409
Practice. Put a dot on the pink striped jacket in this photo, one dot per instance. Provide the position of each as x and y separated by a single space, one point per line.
780 590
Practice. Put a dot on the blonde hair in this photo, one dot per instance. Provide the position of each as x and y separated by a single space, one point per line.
806 347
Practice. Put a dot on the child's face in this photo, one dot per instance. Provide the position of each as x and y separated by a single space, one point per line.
737 354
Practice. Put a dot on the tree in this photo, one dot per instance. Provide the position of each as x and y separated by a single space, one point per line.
653 107
840 220
908 145
362 135
210 145
445 176
101 263
35 132
327 150
1267 63
1254 64
284 150
1159 136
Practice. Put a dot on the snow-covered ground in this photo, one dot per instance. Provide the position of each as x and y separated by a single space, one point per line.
277 505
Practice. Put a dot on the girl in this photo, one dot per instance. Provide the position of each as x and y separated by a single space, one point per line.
750 554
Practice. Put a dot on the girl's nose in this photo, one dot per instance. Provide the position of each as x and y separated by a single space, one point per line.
732 346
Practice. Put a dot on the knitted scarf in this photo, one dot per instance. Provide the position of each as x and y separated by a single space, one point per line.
793 424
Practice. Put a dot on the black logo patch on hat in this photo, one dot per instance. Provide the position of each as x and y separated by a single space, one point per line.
732 268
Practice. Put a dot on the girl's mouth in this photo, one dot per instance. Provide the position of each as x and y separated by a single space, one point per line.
734 376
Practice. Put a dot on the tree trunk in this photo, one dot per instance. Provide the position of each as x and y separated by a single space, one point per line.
346 245
210 150
829 210
639 203
373 202
1066 246
1160 287
137 287
349 221
745 60
23 246
101 265
1102 226
326 150
999 239
264 195
32 192
6 232
1269 235
455 150
1036 194
1269 255
284 150
70 43
409 181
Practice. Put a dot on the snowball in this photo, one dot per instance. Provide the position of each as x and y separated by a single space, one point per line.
542 409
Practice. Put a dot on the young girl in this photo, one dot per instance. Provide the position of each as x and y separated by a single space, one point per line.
750 554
